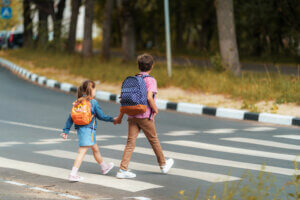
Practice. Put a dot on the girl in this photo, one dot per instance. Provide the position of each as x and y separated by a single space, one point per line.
86 133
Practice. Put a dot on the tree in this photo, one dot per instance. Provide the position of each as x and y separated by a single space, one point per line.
227 37
128 30
27 23
88 28
58 20
105 51
73 25
44 10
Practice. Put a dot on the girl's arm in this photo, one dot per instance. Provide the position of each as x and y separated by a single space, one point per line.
67 127
100 115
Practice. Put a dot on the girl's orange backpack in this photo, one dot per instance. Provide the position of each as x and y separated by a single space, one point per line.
81 112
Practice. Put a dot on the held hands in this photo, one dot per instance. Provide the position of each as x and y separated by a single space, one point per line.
117 120
64 136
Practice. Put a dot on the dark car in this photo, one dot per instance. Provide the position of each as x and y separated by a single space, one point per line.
15 40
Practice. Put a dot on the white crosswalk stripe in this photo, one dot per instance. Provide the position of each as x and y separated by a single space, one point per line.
220 131
182 133
206 176
9 144
257 129
208 160
220 148
263 143
56 172
293 137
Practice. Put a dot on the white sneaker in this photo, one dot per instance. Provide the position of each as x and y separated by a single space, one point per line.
75 178
166 168
109 167
125 174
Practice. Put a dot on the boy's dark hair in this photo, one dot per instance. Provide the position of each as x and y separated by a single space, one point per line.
145 62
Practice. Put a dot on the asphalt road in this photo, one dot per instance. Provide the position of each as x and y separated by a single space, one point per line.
206 150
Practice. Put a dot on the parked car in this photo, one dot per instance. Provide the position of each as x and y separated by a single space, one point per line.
15 40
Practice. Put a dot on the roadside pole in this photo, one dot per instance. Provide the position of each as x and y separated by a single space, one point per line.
168 37
6 14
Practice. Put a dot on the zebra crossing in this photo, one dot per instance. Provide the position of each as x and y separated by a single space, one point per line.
173 142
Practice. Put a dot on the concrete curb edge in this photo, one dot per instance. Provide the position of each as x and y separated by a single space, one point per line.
161 104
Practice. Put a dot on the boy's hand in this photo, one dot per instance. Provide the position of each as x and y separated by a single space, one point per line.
117 120
155 113
64 136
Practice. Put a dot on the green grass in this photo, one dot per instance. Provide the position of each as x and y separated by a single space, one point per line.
250 87
263 186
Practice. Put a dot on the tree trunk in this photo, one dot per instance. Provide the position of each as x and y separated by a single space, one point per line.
42 26
227 37
128 31
58 20
105 51
88 28
27 23
73 26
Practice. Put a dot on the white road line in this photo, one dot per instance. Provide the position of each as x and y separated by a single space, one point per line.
220 131
208 160
206 176
39 189
32 126
140 136
14 183
255 129
9 144
293 137
220 148
182 133
104 137
48 141
263 143
55 172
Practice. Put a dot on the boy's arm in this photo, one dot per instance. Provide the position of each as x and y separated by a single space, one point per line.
152 102
68 125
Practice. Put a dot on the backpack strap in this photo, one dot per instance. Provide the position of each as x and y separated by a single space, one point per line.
145 76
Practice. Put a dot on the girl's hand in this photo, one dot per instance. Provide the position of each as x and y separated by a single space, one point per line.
64 136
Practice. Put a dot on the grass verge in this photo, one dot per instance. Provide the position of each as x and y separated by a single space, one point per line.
250 87
250 187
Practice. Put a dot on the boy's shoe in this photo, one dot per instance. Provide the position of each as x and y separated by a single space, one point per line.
107 168
125 174
166 168
75 178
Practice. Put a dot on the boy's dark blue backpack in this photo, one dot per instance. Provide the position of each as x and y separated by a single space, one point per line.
134 95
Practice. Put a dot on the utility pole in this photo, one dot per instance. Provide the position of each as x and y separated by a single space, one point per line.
168 37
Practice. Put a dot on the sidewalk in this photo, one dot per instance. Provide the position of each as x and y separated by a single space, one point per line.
289 69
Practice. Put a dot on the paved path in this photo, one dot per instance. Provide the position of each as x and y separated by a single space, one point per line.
205 150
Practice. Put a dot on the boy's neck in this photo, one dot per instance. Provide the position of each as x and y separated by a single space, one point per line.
148 72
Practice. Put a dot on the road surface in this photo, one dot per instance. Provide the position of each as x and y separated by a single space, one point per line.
35 162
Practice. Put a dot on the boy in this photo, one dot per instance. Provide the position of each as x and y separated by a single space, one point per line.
144 122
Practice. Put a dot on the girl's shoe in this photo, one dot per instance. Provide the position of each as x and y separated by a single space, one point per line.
125 174
107 168
75 178
166 168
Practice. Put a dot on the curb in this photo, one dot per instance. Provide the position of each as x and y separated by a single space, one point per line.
161 104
